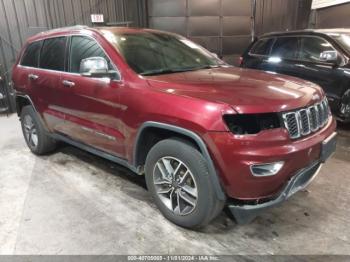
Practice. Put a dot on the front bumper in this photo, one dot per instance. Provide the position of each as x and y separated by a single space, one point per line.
233 157
244 214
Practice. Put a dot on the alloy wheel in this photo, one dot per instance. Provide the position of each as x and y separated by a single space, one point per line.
345 109
30 131
175 185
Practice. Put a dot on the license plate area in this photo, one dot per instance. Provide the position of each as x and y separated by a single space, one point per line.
328 147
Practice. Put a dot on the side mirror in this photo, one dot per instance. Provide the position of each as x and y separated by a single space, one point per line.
97 67
330 57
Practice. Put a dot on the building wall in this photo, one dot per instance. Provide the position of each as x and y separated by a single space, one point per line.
331 17
20 19
224 26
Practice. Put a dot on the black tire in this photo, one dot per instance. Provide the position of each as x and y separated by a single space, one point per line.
344 106
207 205
44 143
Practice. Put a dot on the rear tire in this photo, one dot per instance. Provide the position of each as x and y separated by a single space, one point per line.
177 177
35 135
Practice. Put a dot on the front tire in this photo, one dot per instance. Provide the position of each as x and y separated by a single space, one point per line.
177 177
345 105
35 135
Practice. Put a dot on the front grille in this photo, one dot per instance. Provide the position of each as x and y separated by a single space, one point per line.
307 120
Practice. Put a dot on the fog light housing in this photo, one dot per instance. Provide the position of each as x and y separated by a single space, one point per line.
268 169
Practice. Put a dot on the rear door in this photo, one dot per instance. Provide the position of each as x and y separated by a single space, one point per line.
91 105
44 79
255 57
284 55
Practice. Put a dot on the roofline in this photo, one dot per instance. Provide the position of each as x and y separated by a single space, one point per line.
308 30
71 29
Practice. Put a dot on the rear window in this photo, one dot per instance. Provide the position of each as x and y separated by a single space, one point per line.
286 47
262 47
53 54
31 55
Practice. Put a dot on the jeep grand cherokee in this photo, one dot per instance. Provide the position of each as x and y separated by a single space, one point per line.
203 133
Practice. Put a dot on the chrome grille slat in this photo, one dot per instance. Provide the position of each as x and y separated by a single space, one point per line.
307 120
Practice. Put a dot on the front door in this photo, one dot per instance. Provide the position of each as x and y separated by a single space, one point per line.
312 68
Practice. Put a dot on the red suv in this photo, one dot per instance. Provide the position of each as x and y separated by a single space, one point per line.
203 133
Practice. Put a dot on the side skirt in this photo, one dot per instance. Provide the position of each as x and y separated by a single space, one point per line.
92 150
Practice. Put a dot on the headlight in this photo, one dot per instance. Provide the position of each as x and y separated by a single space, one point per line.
245 124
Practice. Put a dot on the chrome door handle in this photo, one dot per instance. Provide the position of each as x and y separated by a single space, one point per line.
67 83
33 77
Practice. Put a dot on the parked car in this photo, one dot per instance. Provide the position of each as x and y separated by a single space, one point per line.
205 134
320 56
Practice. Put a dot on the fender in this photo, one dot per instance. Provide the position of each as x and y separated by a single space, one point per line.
18 94
27 97
200 143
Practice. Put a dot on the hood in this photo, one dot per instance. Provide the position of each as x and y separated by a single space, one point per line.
246 90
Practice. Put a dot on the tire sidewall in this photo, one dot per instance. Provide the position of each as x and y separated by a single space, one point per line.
197 164
28 110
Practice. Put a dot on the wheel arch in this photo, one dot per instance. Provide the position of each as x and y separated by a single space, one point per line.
23 100
152 132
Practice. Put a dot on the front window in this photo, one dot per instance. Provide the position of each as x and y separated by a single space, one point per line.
313 47
153 53
84 47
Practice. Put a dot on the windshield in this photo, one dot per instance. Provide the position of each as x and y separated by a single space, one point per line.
153 53
343 40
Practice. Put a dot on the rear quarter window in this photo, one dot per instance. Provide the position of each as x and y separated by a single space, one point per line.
262 47
31 54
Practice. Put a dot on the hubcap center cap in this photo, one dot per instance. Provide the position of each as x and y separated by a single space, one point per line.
175 184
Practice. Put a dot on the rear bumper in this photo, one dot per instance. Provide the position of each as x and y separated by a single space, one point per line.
246 213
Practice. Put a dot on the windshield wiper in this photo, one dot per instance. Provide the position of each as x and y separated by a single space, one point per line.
162 71
176 70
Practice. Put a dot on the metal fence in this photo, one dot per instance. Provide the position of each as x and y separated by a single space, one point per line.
20 19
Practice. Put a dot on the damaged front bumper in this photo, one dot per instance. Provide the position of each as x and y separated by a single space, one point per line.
246 213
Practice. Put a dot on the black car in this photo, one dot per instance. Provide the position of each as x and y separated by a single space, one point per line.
320 56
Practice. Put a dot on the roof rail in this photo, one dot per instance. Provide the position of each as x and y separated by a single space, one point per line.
68 28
